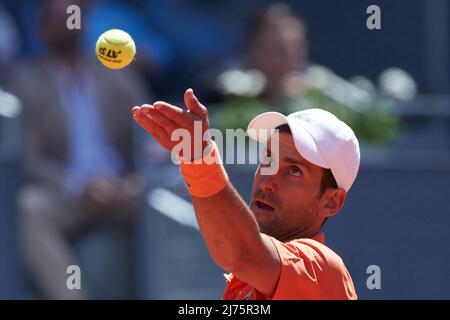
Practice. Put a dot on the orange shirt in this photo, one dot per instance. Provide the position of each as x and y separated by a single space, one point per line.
309 270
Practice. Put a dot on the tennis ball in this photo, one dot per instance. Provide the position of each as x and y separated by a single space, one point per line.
115 49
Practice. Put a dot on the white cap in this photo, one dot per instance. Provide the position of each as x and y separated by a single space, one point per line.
319 136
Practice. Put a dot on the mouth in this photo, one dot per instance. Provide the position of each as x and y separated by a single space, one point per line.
263 206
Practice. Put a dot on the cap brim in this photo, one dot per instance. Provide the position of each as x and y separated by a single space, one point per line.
260 129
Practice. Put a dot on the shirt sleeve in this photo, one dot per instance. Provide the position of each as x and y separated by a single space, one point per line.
310 270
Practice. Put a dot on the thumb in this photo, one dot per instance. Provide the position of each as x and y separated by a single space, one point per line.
194 106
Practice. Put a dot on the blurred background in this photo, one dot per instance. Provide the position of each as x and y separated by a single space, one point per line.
116 206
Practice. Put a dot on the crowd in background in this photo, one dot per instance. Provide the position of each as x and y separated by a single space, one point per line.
78 161
178 41
79 166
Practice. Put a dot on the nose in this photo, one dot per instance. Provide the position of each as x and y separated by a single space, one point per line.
267 183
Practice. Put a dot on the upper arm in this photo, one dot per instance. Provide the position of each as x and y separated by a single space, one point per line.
260 269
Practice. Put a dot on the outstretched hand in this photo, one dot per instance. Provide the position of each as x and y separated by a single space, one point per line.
161 120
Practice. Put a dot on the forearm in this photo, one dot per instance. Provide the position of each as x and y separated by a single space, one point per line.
230 231
228 227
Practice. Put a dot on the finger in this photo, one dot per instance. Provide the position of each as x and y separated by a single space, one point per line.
175 113
158 133
150 125
155 130
145 123
135 110
166 122
194 106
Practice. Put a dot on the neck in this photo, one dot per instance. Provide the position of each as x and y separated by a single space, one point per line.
299 235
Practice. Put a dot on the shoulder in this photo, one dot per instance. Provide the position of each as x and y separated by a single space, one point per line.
308 249
311 270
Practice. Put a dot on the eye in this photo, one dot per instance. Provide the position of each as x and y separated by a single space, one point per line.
295 171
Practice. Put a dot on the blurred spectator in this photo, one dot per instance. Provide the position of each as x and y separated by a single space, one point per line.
277 74
278 47
271 72
79 145
275 62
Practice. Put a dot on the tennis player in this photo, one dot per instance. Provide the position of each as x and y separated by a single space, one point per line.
273 248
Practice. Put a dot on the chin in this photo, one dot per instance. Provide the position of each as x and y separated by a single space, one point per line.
264 227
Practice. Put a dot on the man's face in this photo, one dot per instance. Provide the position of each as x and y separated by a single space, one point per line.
278 50
285 204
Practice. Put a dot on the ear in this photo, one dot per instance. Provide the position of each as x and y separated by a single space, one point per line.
332 201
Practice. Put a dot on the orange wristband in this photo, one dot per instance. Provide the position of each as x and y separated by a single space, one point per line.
206 177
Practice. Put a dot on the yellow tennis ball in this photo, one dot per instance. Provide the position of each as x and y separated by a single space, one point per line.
115 49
